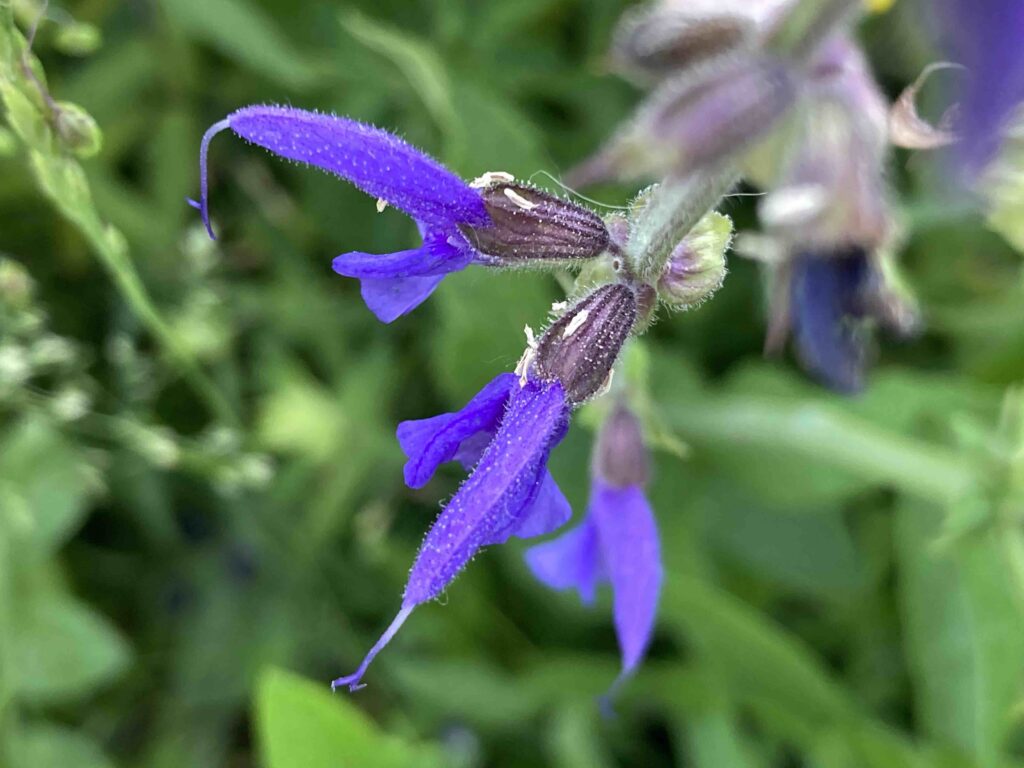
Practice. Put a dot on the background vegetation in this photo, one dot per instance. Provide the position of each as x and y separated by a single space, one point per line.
200 487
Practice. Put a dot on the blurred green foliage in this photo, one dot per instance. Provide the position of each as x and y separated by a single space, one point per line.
199 481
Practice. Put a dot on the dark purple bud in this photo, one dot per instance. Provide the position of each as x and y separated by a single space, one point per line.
621 459
529 225
580 348
724 114
690 124
659 42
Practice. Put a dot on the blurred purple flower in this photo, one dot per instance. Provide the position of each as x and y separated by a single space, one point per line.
617 542
493 221
505 433
986 37
828 296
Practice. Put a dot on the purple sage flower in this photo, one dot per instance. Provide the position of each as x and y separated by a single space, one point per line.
505 434
493 221
617 542
986 38
828 303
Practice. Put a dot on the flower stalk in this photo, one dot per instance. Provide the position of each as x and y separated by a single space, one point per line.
671 210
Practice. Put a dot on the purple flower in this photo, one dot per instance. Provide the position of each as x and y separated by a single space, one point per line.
828 303
985 37
495 222
505 433
617 542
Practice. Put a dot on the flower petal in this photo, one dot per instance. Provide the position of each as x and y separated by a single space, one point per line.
431 442
434 257
390 298
826 295
572 561
628 537
986 39
378 162
497 493
549 511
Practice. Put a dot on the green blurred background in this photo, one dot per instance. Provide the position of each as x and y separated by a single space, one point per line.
202 515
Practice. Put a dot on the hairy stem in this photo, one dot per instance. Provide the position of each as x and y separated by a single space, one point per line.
672 209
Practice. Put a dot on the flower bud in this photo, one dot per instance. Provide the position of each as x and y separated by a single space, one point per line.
689 125
16 286
77 129
653 44
696 268
621 459
529 225
580 348
78 39
713 120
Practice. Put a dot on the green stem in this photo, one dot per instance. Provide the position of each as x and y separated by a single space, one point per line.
63 182
672 209
822 433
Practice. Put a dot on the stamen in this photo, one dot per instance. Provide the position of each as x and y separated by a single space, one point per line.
481 182
204 201
519 200
381 204
352 681
575 324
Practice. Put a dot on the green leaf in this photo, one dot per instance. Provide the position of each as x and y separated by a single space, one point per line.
964 633
574 737
813 554
302 725
44 485
814 430
755 657
62 648
244 33
44 745
418 62
716 741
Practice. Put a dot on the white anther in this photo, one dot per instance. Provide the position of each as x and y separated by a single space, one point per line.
575 323
381 204
489 178
519 200
559 306
607 385
523 366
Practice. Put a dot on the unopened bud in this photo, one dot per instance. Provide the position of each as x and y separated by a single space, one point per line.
580 348
655 43
530 225
620 458
77 129
696 268
16 287
78 39
689 125
723 115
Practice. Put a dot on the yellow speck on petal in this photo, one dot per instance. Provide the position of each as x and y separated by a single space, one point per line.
879 6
